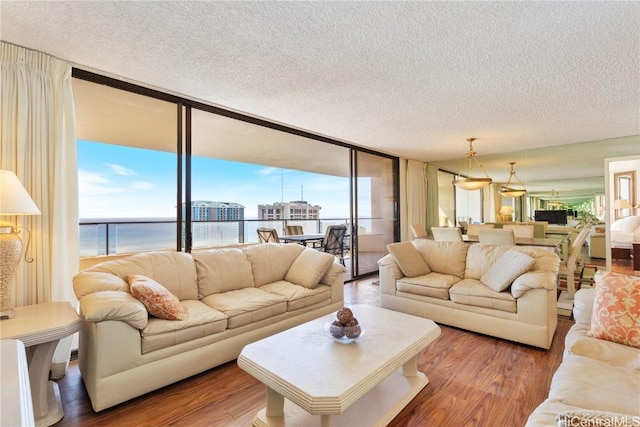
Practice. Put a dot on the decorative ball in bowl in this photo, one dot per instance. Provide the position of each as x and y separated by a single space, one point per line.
343 327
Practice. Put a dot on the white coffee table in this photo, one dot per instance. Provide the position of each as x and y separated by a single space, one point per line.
366 382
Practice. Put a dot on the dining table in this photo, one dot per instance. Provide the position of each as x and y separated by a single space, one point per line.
303 239
552 244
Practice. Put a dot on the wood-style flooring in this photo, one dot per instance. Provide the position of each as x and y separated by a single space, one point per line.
474 380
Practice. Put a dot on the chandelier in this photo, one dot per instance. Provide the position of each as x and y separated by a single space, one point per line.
464 179
554 201
508 191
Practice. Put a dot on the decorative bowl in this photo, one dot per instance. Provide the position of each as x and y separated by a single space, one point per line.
342 334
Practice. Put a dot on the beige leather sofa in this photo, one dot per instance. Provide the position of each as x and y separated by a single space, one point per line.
453 293
231 297
598 381
596 241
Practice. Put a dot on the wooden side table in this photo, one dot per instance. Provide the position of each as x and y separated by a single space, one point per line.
635 255
40 327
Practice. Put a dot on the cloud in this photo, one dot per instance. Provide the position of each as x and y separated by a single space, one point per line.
120 170
143 185
269 171
91 184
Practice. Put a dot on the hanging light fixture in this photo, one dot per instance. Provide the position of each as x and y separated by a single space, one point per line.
464 179
554 201
508 191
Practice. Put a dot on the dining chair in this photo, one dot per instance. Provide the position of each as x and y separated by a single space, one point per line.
293 230
521 230
419 232
496 236
569 266
268 235
447 234
473 229
333 242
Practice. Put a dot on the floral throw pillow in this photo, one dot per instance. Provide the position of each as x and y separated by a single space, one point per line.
616 310
156 298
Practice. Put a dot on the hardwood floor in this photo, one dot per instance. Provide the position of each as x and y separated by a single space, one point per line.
474 380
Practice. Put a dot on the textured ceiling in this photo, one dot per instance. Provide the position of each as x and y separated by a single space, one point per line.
413 79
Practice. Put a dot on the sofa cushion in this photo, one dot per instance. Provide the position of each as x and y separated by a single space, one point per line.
271 261
176 271
221 270
309 268
504 271
616 310
297 296
443 257
409 259
248 305
433 285
473 292
199 321
158 301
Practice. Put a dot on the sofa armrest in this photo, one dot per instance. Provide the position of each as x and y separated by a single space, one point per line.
334 278
389 264
583 305
114 305
533 280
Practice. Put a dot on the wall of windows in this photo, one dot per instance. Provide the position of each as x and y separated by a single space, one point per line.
148 159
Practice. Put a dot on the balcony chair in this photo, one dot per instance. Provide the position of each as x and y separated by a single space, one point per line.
419 232
268 235
447 234
521 230
464 225
496 236
293 230
333 242
569 267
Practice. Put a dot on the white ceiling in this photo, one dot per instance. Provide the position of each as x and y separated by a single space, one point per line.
413 79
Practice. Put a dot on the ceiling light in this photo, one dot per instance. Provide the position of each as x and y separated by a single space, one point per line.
508 191
554 201
464 179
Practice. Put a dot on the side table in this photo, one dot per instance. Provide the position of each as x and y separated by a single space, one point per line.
40 327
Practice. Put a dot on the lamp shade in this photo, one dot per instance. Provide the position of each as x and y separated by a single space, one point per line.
621 204
471 183
14 199
506 210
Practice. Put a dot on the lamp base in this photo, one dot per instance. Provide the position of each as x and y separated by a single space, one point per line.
10 252
9 314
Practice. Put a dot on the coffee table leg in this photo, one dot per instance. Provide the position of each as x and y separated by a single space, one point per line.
410 368
275 403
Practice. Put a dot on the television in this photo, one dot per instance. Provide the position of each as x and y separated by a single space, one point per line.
552 217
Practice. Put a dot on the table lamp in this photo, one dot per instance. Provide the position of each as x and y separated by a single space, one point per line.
14 200
506 212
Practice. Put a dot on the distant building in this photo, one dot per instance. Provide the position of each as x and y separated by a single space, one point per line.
297 209
202 210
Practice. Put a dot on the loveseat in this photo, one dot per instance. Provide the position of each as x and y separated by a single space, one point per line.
220 300
500 290
598 381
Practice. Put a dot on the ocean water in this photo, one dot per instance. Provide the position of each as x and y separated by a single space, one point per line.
141 235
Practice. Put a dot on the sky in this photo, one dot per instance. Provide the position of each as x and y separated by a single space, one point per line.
125 182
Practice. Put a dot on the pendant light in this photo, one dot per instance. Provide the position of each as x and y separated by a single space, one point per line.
508 191
464 179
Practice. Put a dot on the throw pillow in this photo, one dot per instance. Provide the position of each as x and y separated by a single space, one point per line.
409 259
616 310
156 298
506 269
309 267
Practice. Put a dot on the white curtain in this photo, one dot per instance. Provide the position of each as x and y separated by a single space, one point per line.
492 202
38 144
421 196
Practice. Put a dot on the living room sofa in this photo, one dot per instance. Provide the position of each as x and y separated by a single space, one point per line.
220 300
598 381
499 290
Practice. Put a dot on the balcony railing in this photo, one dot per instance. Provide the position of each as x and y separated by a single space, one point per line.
111 237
